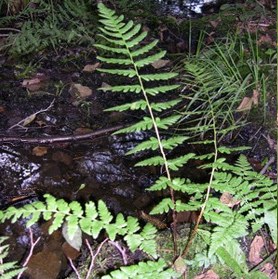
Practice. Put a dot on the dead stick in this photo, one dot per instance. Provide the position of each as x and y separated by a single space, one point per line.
270 161
27 120
56 139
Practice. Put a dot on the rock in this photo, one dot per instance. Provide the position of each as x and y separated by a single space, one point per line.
44 265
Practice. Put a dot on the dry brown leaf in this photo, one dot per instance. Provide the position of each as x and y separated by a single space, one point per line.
91 67
29 119
105 85
214 23
160 63
228 199
210 274
39 151
246 104
2 109
32 84
269 270
255 97
255 250
81 91
266 39
28 82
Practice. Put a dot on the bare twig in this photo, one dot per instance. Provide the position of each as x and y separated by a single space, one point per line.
74 268
269 162
93 256
31 117
121 250
55 139
10 29
33 244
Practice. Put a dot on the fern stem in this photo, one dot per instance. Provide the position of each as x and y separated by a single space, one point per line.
172 194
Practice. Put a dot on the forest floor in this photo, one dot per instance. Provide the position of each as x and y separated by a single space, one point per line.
54 95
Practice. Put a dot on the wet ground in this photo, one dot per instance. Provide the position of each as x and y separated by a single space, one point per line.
28 171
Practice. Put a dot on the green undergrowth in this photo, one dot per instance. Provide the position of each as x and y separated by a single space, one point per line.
234 201
224 74
50 24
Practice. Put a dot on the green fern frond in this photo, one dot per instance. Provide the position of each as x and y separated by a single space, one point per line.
153 161
117 61
153 144
161 184
230 226
144 125
144 49
45 27
92 221
143 270
160 89
175 164
112 49
123 88
142 105
126 73
163 206
165 105
8 270
138 105
149 59
158 77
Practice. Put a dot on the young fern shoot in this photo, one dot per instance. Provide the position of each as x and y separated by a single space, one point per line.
124 42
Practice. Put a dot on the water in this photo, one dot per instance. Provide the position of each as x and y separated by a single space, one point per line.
186 8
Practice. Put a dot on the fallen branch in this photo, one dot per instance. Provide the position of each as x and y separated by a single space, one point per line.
57 139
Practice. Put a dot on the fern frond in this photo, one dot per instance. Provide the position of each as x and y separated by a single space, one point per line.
230 226
143 270
145 124
137 40
144 49
118 61
127 27
161 184
8 270
141 104
158 77
153 144
92 221
123 88
164 105
112 49
161 89
153 161
134 31
126 73
150 59
175 164
163 206
165 123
